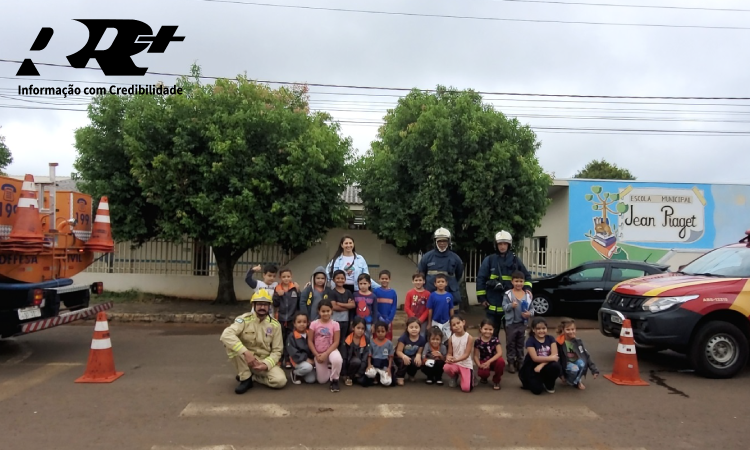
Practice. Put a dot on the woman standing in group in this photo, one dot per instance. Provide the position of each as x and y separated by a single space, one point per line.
353 264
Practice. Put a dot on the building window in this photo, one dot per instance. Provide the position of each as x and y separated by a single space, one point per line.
539 251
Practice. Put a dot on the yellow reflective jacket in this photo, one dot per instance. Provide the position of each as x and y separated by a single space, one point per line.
262 338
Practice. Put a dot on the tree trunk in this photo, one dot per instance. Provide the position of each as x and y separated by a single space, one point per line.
464 255
226 258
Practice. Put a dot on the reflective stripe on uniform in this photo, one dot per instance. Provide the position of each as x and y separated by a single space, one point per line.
481 292
495 308
507 278
493 277
236 347
528 283
436 272
270 361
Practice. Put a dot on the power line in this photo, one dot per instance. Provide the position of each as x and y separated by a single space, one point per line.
344 86
495 19
689 8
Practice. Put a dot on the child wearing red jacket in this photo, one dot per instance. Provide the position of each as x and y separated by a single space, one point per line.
415 303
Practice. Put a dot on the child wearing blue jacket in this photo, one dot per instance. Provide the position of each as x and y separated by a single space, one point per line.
387 302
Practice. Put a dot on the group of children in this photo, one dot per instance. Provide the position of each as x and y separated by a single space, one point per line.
332 333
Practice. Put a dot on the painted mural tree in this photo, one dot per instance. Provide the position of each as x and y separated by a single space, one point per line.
605 230
234 165
446 159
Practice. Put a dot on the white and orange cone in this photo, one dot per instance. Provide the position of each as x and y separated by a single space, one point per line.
26 235
626 372
101 236
101 364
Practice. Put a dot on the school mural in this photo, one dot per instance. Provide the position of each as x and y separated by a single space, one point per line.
643 221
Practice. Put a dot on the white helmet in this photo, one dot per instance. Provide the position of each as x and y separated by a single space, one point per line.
442 233
503 236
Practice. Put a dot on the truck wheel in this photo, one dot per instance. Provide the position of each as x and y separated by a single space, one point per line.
719 350
541 305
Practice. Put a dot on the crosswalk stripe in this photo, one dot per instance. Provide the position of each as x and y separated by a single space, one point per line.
384 411
384 447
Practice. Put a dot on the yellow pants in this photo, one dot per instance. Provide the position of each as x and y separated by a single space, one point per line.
274 378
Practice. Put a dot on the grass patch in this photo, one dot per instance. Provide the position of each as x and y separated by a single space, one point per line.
133 296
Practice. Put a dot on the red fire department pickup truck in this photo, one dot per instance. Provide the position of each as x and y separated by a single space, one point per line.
702 311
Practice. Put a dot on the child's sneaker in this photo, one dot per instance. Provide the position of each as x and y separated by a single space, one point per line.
288 364
452 382
483 380
428 381
295 380
439 381
335 386
551 391
348 381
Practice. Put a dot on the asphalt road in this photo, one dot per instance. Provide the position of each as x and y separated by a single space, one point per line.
178 393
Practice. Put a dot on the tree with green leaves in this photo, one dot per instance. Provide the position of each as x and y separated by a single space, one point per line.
446 159
5 157
234 164
603 170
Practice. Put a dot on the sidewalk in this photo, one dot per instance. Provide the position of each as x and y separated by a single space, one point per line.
203 312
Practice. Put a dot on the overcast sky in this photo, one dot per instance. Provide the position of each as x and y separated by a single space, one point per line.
366 49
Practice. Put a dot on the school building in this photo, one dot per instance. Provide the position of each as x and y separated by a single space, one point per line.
586 220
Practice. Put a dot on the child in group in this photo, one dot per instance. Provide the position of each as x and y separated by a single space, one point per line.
458 363
540 368
387 301
574 358
380 359
342 300
409 351
516 304
365 302
434 357
314 293
323 341
440 306
299 352
415 304
356 354
488 354
286 304
268 283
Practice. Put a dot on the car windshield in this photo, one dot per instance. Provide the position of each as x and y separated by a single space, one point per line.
722 262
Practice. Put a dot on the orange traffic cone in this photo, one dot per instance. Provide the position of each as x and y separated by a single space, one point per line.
101 235
26 235
625 372
101 365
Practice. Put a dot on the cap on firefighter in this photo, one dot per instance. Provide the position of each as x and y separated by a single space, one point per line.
261 296
503 236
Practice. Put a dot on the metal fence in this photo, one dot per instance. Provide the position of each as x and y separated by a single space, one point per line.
188 257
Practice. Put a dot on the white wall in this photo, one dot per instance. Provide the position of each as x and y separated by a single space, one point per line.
378 254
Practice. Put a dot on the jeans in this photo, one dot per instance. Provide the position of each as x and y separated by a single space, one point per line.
574 371
514 334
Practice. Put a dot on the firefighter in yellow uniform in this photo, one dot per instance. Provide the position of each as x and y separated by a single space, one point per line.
254 346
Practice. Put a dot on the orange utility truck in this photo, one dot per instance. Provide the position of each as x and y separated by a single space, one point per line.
46 237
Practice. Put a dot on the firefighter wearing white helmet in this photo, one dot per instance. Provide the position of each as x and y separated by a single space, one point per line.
254 345
442 260
494 279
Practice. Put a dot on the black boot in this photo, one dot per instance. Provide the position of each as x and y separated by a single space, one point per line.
512 366
244 386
